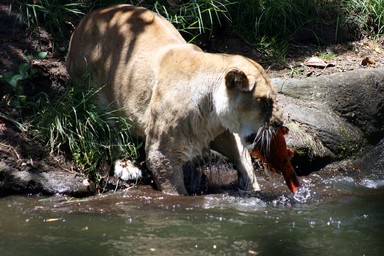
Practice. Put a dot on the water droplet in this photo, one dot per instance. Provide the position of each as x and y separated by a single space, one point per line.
312 224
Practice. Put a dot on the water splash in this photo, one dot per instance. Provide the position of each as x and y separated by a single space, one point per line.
235 202
282 201
369 183
302 195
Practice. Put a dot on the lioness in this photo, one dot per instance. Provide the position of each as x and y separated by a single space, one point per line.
181 99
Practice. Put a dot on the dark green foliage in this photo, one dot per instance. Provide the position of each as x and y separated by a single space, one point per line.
266 24
274 24
368 14
89 134
56 16
10 82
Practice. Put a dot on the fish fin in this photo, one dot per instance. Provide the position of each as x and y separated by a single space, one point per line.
291 153
292 187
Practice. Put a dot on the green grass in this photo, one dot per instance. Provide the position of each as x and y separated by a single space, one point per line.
195 17
55 16
368 14
268 25
74 125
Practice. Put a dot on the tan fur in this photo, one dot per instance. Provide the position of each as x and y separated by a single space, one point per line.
181 99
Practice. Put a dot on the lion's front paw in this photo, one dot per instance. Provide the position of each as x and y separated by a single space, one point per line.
254 186
249 185
126 170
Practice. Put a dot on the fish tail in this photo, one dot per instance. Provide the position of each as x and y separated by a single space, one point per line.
291 179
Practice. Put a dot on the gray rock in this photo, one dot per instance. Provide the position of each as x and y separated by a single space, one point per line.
13 181
332 117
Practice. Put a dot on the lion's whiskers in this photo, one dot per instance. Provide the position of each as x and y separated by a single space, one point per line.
262 141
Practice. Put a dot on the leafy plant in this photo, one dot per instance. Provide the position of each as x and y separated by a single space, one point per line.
12 80
90 135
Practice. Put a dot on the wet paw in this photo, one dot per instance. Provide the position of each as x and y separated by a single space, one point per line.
126 170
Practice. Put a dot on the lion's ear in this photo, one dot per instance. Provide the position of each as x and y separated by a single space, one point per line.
236 78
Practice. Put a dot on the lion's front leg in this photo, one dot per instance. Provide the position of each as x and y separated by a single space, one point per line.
167 173
229 145
247 179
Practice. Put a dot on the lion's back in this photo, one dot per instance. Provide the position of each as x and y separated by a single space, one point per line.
120 48
117 36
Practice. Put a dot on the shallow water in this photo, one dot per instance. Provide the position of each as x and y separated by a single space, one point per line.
332 214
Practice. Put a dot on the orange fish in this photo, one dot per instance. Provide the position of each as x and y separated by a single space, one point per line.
278 158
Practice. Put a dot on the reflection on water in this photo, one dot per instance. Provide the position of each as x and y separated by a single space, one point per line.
332 214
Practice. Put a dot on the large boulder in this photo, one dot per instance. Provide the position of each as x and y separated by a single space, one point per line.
332 117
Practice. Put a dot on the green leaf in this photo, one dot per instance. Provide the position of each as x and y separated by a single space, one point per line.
41 55
8 76
23 68
22 100
13 81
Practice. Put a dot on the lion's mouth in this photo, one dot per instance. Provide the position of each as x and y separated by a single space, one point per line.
251 138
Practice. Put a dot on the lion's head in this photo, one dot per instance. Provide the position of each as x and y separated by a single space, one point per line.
247 103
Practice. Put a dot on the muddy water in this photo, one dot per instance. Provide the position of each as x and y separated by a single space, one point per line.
334 213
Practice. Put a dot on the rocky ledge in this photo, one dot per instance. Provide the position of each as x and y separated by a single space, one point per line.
332 117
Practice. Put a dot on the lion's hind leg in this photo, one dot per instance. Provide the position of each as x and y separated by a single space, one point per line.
167 173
